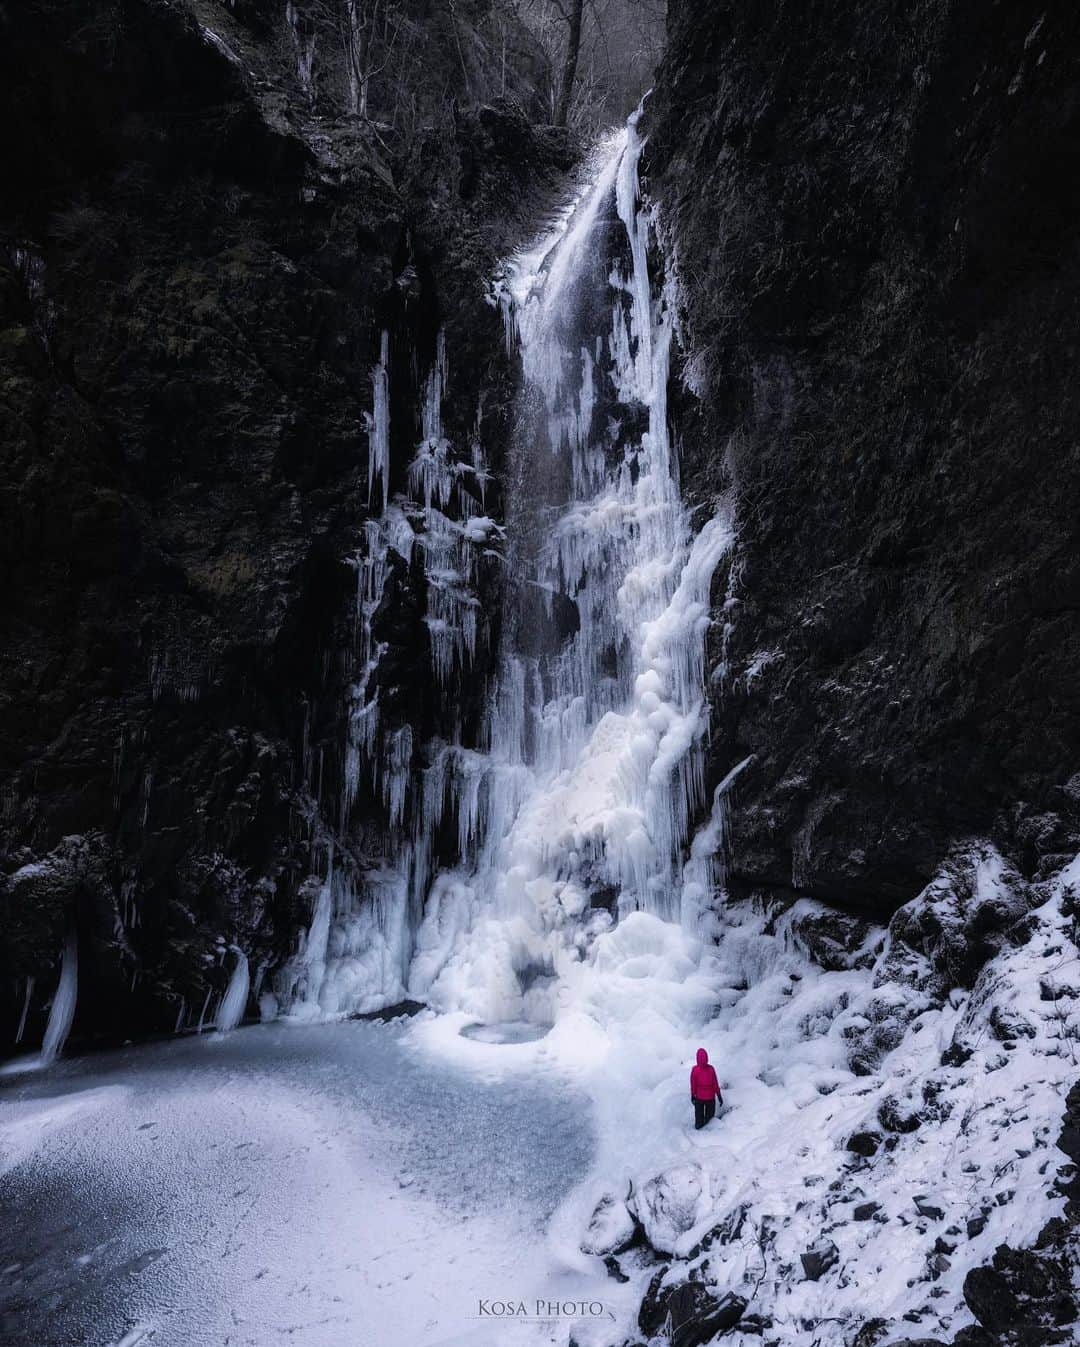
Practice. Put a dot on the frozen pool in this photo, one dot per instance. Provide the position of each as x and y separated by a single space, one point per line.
316 1185
513 1031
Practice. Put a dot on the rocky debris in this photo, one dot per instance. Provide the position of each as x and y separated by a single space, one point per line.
870 1333
945 1150
1007 1026
612 1229
688 1314
936 943
730 1228
819 1258
1024 1295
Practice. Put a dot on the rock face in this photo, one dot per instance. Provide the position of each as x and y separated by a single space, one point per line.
870 211
194 277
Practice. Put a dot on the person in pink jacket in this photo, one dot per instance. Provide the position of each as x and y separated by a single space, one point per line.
704 1090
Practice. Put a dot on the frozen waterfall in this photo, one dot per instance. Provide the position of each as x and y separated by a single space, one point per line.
574 808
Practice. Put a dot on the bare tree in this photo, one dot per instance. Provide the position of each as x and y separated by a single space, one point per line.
573 18
361 23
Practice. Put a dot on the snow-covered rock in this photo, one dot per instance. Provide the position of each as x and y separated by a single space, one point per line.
837 1190
672 1203
612 1229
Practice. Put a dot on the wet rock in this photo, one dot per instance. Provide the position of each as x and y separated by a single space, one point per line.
819 1258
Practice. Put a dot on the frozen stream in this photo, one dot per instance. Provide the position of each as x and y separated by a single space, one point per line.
337 1185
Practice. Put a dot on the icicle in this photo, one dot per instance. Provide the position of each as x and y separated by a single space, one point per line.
25 1009
234 1002
62 1011
379 424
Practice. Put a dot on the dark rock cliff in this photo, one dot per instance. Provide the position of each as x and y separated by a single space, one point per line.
194 276
872 209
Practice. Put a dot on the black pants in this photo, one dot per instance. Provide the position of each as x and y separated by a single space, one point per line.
704 1111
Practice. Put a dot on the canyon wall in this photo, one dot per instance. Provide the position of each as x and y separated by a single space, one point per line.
196 273
872 210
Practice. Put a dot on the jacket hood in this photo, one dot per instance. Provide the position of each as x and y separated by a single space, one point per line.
702 1057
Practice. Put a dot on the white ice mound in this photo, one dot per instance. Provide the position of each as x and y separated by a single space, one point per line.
612 1228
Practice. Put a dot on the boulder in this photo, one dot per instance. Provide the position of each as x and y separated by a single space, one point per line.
899 1115
670 1204
819 1258
1023 1291
689 1313
864 1143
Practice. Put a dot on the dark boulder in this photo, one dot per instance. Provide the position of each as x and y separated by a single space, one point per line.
1025 1294
819 1258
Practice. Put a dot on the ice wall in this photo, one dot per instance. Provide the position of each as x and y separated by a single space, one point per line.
576 804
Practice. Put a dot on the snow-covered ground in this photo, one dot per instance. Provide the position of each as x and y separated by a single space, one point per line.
376 1184
959 1096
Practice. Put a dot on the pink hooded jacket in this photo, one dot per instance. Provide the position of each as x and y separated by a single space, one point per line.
703 1082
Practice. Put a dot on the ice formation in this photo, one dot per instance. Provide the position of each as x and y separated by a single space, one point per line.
62 1011
234 1002
588 772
